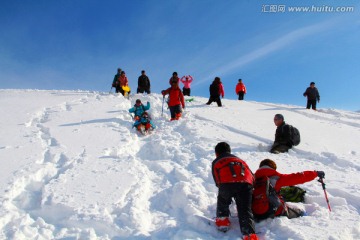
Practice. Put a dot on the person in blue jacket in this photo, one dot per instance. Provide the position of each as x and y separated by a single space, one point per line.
144 123
139 109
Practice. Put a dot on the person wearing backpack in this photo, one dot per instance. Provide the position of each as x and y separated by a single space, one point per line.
240 89
139 109
216 90
234 179
176 100
286 136
267 201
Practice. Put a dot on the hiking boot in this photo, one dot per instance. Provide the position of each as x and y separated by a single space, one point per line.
252 236
222 223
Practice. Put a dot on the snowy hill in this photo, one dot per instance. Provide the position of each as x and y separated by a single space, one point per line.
73 168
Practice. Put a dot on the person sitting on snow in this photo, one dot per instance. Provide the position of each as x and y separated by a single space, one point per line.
139 109
275 205
282 142
144 123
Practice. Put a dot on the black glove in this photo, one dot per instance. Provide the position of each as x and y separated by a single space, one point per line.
320 174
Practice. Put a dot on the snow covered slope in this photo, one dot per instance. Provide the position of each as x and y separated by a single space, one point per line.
73 168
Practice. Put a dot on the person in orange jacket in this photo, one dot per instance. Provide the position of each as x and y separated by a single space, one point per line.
122 81
277 206
240 89
176 100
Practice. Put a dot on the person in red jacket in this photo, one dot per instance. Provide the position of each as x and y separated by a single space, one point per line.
240 89
277 206
176 100
235 180
122 81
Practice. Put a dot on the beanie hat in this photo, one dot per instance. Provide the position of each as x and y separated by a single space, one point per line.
312 83
279 116
269 163
222 147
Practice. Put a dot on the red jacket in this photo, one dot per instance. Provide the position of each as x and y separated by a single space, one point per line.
176 96
279 180
221 90
123 81
228 168
240 87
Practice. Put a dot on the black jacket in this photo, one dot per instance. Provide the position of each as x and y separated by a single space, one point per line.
312 94
282 135
143 82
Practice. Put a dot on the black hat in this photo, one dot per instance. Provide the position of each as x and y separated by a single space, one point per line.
279 116
138 101
312 83
222 147
175 73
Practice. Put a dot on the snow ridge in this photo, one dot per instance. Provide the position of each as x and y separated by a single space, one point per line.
76 169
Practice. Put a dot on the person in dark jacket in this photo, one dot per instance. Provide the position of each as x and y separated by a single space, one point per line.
216 90
143 83
267 168
234 179
282 141
115 82
312 95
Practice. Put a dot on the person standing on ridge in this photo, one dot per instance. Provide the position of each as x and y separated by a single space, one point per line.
115 82
122 81
234 179
312 95
143 83
216 90
240 89
186 80
174 78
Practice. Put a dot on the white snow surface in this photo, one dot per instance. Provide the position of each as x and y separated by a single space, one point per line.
72 167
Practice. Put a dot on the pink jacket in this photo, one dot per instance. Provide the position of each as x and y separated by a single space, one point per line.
187 82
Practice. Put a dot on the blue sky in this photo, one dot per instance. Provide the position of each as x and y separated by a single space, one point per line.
70 44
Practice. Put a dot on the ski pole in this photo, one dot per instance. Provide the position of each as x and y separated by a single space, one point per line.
162 109
326 197
110 90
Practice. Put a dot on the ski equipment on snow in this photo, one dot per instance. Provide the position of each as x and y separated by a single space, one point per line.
162 109
321 180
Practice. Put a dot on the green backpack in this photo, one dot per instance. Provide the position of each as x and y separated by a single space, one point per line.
292 194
